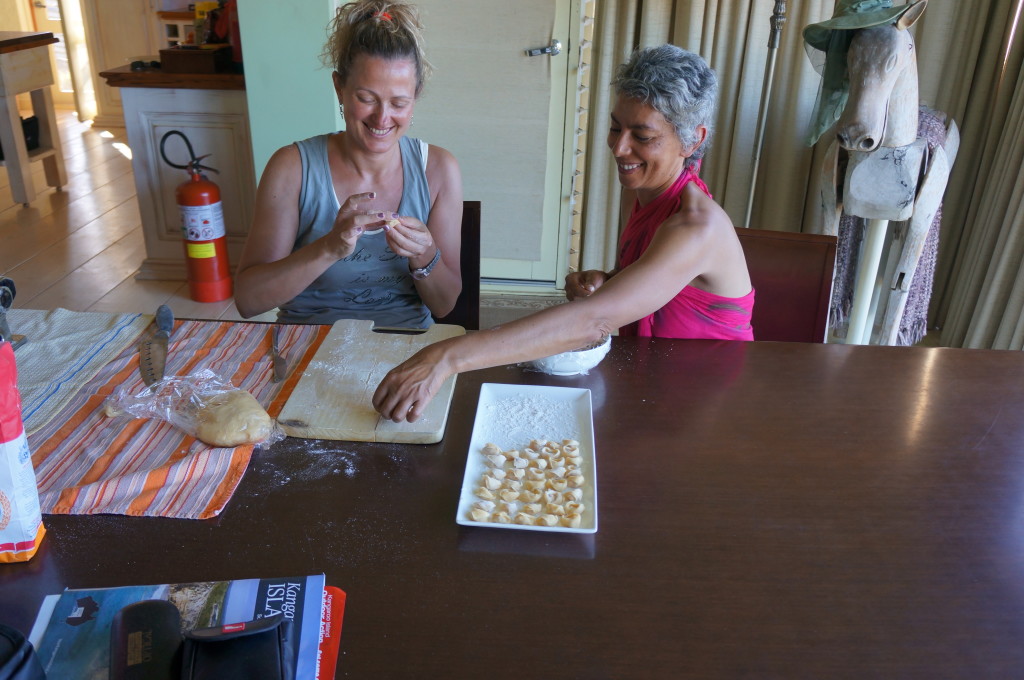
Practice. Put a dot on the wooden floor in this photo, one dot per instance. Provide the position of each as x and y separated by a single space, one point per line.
79 248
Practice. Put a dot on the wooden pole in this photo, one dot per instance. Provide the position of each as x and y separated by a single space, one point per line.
778 18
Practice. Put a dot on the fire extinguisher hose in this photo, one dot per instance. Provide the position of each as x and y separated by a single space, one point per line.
193 166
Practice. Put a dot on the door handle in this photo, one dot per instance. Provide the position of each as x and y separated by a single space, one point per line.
551 50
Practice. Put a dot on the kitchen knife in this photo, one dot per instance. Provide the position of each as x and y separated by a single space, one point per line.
280 367
153 354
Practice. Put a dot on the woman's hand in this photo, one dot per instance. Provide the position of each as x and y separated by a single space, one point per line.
583 284
352 220
406 390
410 238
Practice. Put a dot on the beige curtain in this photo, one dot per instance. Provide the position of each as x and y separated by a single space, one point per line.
969 61
979 293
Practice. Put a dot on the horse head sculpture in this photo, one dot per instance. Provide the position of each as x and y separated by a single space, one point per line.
868 64
881 67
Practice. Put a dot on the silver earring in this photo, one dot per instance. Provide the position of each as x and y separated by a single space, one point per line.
341 109
412 121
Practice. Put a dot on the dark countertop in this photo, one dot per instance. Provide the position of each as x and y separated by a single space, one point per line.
124 76
12 41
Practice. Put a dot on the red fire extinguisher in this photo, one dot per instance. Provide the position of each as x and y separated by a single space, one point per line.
202 229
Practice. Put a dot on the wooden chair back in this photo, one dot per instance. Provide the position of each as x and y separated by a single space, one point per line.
792 276
466 312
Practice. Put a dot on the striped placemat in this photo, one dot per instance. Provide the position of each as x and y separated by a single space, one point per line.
64 351
88 463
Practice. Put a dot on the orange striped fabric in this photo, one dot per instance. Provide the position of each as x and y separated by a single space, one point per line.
87 463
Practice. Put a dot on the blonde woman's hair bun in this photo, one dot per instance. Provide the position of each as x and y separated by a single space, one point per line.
378 28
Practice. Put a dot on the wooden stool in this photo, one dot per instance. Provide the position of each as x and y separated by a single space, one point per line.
25 67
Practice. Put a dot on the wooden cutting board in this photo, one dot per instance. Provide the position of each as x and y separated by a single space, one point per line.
332 399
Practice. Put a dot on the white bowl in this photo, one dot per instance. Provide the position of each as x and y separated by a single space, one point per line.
574 362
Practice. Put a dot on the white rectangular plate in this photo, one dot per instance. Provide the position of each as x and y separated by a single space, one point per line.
513 415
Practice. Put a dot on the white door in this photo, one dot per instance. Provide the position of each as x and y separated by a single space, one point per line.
503 115
117 32
47 18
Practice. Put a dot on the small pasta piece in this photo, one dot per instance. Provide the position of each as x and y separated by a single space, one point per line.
487 506
491 483
552 496
510 508
501 518
535 474
556 461
571 521
547 521
516 473
485 493
575 508
557 472
478 515
513 484
536 484
570 443
498 473
539 463
573 496
523 518
538 444
509 495
554 509
530 496
549 451
576 480
531 454
558 484
532 508
495 460
520 463
512 454
574 460
491 448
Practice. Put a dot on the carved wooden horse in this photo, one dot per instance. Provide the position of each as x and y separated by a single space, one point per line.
890 173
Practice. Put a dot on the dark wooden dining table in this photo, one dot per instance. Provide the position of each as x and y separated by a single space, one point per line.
767 510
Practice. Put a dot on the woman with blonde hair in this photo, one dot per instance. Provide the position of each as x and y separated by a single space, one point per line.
363 223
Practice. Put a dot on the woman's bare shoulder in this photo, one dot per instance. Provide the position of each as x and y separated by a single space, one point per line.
282 176
441 162
284 160
443 174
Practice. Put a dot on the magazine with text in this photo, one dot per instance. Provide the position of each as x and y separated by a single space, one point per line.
72 631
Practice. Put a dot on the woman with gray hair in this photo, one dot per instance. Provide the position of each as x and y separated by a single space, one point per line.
681 271
660 129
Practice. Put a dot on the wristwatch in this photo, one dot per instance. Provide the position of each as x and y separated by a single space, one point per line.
424 272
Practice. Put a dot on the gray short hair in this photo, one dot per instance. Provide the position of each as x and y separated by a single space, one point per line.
677 84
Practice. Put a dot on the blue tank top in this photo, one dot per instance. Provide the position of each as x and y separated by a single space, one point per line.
373 282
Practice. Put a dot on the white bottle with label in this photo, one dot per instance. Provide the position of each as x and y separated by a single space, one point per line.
21 524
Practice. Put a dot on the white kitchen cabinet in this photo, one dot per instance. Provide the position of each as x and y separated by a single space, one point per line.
216 122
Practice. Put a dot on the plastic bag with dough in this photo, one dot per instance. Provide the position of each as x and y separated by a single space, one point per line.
183 401
231 419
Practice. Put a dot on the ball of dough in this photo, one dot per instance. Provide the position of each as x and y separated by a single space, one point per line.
232 419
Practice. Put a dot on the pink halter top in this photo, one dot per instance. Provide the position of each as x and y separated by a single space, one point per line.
692 313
